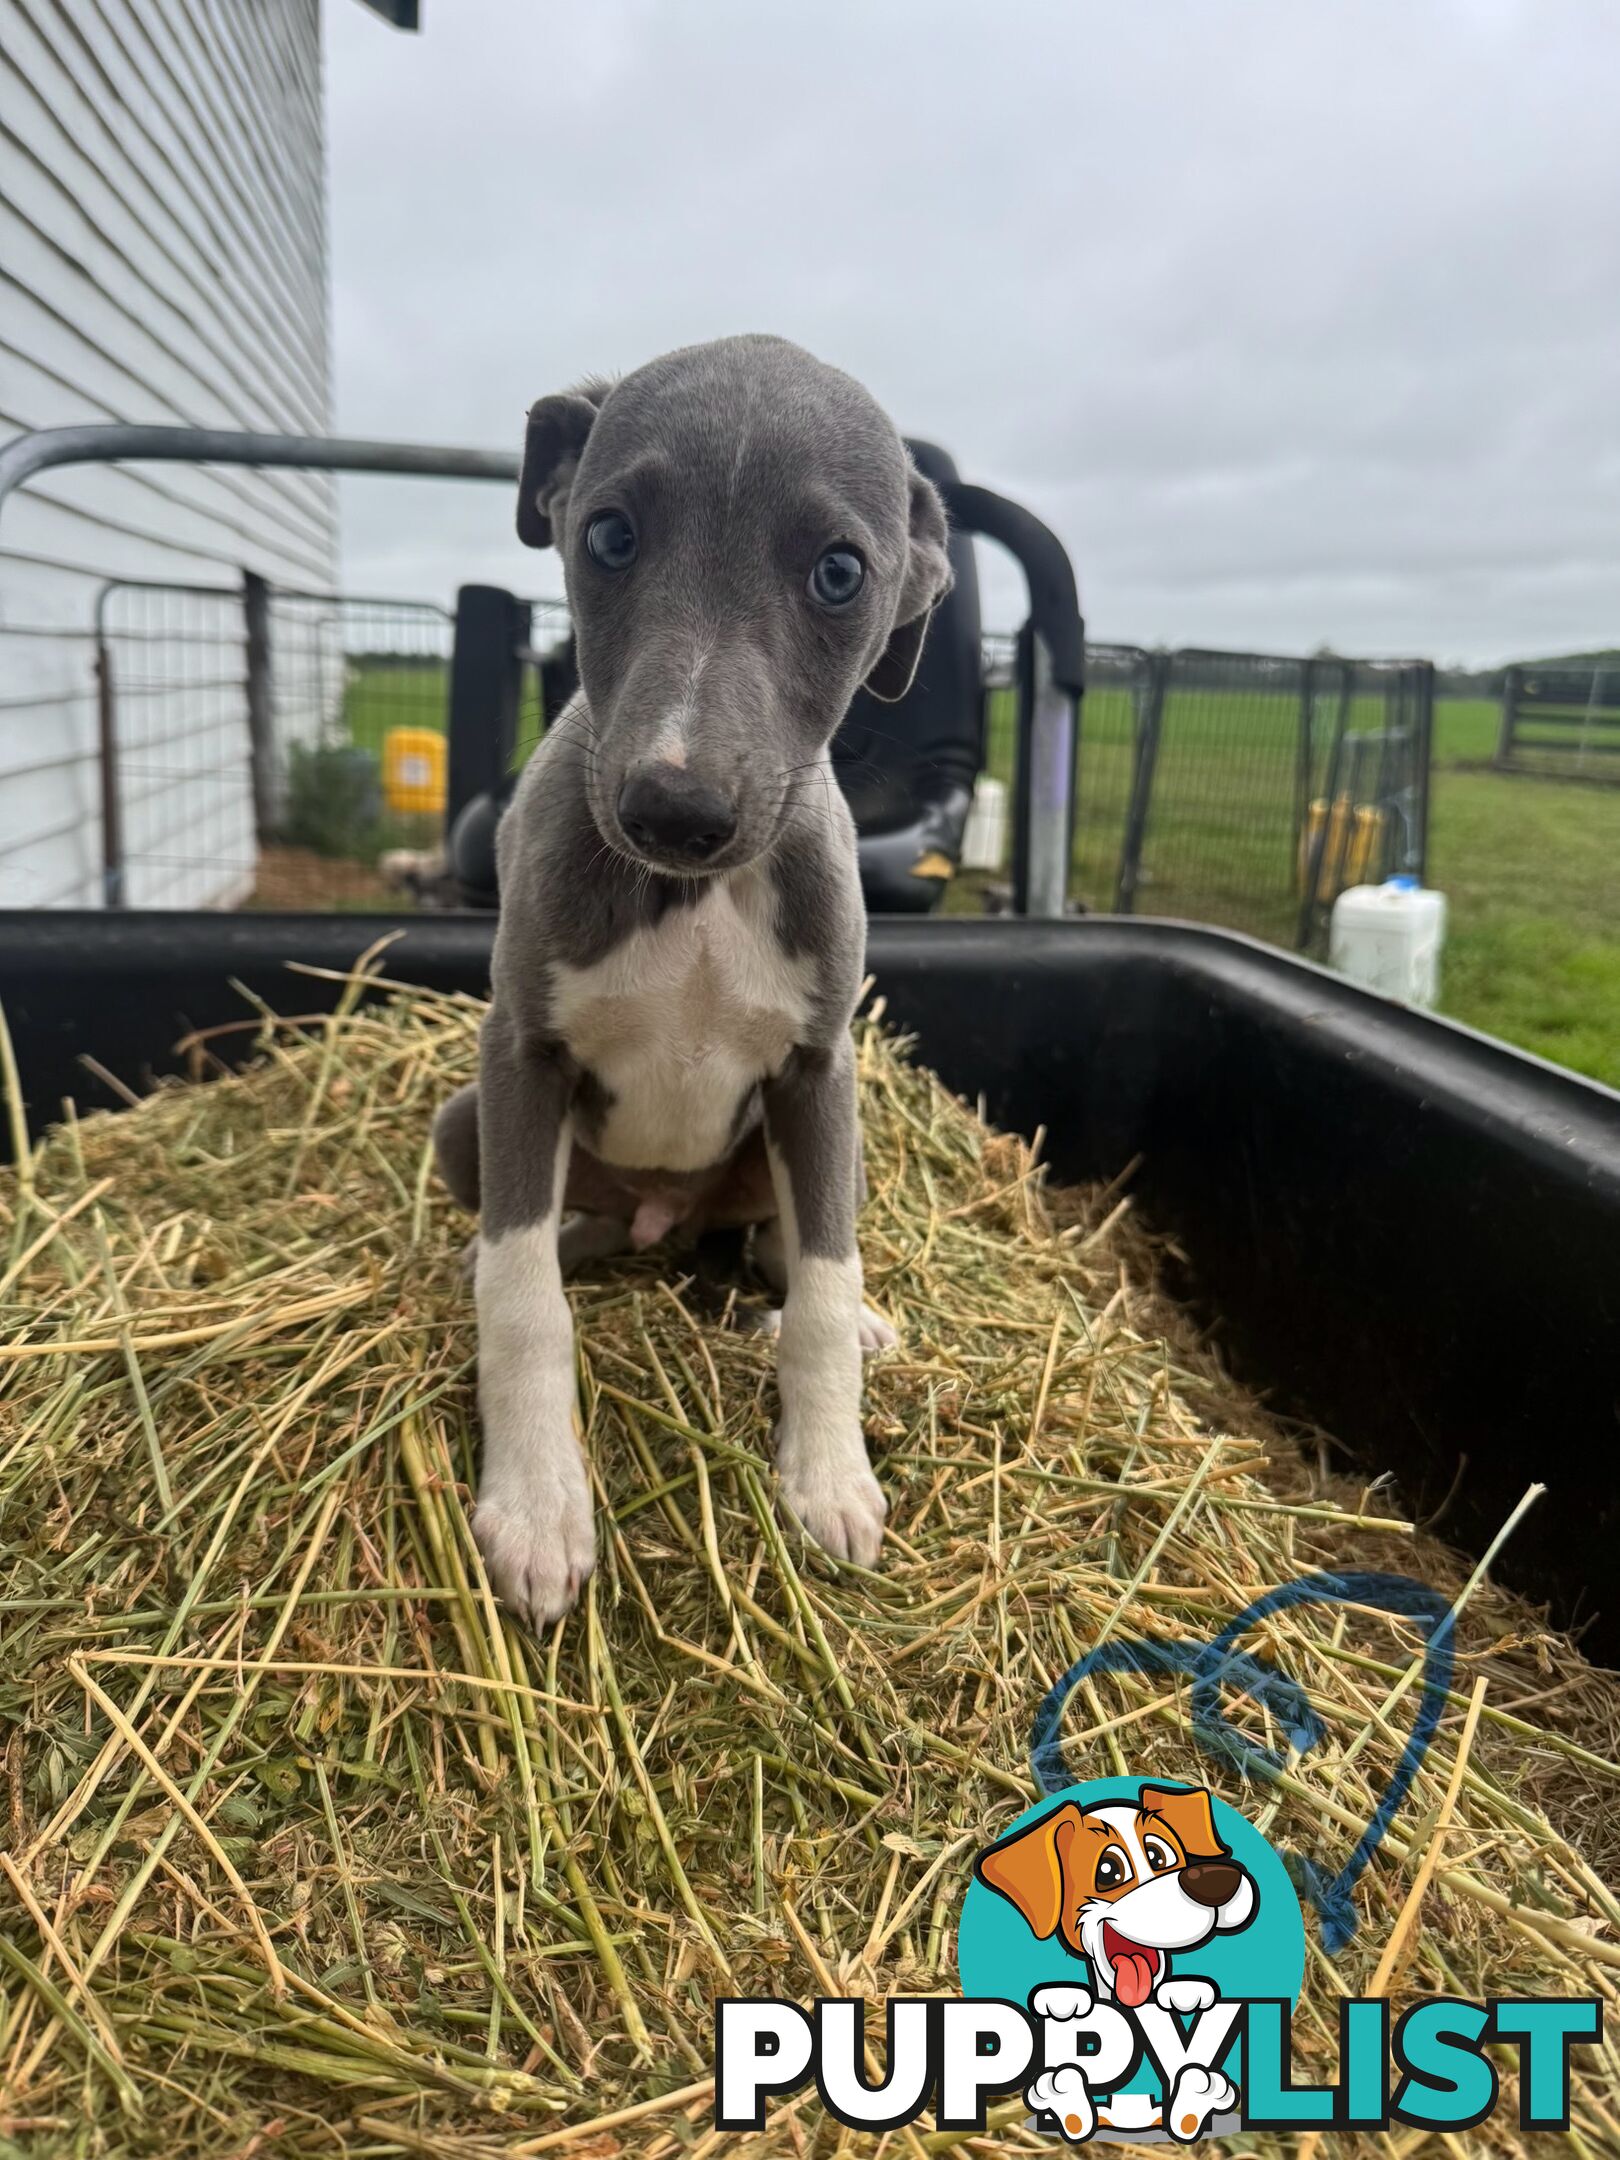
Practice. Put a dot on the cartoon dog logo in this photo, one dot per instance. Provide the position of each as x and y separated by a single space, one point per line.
1126 1886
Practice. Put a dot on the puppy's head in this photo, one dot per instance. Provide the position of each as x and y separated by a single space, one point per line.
745 542
1124 1884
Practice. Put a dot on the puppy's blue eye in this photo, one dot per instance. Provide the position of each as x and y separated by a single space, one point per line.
610 541
837 577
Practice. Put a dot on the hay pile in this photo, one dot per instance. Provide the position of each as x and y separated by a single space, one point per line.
311 1853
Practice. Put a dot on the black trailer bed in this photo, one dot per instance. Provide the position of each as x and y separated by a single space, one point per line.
1409 1233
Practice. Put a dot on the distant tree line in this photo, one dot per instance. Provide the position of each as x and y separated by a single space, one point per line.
1487 682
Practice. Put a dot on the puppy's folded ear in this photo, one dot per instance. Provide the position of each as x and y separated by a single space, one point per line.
1187 1810
1027 1868
557 431
927 581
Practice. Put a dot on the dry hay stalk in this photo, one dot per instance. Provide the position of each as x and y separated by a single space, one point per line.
314 1853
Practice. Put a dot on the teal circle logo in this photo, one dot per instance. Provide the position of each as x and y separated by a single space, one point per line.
1134 1893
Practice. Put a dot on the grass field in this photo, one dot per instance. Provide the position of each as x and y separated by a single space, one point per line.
1530 867
384 694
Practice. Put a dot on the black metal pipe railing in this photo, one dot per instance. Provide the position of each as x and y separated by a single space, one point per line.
45 449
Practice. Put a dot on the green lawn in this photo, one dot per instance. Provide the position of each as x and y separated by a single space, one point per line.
1530 867
1531 870
1221 837
384 694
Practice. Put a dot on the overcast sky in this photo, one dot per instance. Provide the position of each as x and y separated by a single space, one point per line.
1299 320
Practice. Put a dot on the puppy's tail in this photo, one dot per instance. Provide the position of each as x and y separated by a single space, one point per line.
455 1145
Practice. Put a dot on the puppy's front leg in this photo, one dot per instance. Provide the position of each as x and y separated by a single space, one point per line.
821 1451
533 1521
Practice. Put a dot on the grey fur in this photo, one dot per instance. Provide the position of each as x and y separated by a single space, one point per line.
455 1145
810 1118
525 1084
709 662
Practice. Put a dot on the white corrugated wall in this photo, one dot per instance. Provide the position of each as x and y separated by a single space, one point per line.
162 258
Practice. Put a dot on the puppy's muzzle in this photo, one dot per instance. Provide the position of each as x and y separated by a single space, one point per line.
1211 1882
667 814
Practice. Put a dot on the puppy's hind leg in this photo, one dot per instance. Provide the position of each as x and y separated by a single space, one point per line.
770 1258
581 1239
455 1145
584 1238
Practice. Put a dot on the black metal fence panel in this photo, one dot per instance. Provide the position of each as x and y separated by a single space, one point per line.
1248 789
1563 723
1116 721
1241 789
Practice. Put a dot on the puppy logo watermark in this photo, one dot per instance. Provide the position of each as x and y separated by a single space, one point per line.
1135 1919
1131 1951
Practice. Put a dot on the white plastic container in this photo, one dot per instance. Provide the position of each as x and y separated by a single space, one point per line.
1389 937
984 843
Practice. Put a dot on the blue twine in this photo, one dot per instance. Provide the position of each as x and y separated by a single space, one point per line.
1220 1665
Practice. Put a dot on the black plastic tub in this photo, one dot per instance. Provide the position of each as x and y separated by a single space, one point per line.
1408 1233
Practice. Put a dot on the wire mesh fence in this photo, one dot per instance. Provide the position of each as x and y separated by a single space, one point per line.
175 763
1563 723
549 673
1262 786
248 746
259 747
265 747
1113 723
50 813
1245 789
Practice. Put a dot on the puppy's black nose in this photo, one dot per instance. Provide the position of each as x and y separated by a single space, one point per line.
664 811
1211 1882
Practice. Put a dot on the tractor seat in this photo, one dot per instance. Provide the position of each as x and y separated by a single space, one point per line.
907 769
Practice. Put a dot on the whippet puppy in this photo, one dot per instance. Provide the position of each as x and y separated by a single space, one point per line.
745 542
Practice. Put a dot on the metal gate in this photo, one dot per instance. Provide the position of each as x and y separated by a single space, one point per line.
244 738
1248 789
1561 722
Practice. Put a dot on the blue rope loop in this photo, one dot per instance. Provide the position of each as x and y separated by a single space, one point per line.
1219 1666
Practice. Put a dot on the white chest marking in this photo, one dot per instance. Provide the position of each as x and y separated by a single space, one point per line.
681 1020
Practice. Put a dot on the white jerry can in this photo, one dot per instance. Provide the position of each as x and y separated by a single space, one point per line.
984 843
1389 937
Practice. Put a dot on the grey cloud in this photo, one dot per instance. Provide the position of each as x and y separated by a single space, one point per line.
1296 322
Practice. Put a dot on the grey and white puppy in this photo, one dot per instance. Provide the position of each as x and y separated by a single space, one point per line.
745 542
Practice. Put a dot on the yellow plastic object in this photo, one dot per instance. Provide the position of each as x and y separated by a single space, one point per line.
1364 843
933 864
413 771
1354 833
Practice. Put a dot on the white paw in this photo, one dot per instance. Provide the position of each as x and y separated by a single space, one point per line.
1185 1996
1060 2004
876 1333
539 1542
833 1496
1065 2096
1196 2097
